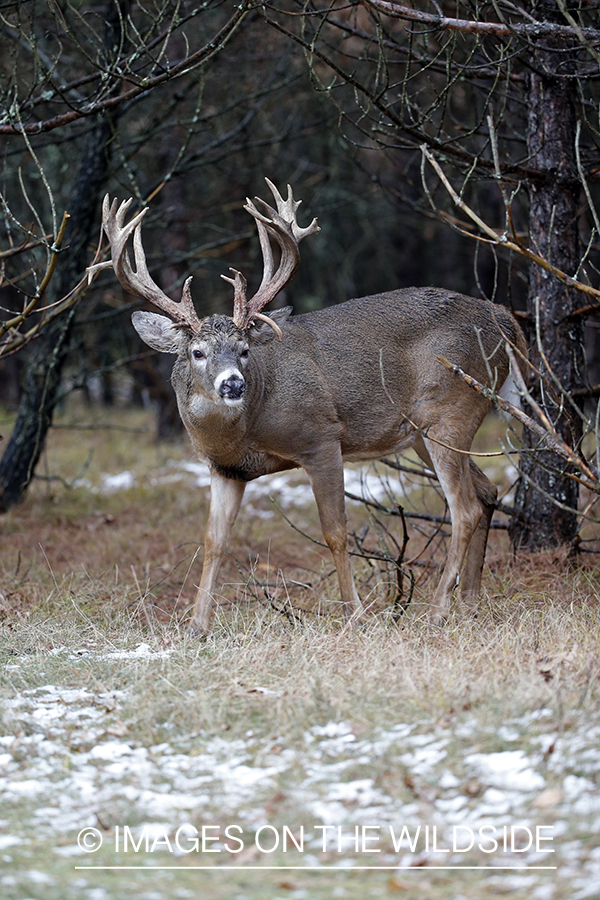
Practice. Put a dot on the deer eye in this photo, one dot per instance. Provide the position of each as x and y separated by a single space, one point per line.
198 354
244 353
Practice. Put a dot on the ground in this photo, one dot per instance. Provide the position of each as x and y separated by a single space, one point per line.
395 759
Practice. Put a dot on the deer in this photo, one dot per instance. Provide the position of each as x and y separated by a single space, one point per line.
261 393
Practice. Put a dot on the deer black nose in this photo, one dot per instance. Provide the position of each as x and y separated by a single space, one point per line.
232 388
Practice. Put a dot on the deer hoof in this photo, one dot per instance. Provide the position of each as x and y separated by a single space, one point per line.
437 619
195 630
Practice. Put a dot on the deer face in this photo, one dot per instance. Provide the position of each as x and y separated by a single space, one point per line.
217 356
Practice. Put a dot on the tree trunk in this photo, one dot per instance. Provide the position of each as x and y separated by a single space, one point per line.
42 378
546 498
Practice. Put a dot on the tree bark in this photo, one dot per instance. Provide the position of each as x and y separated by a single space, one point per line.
43 374
546 498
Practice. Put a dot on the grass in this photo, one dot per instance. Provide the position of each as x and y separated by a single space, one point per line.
257 677
390 712
532 660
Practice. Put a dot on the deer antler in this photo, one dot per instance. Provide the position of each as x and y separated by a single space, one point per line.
140 283
280 224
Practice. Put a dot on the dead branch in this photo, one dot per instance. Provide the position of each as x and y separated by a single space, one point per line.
11 338
528 30
106 103
35 300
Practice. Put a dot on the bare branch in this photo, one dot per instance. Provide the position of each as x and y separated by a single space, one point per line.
500 239
530 30
214 46
13 324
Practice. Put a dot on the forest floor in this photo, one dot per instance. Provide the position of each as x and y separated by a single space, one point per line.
282 757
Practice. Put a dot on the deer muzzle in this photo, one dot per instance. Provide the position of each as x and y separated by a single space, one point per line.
230 386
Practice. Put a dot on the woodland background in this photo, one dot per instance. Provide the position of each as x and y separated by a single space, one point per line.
454 145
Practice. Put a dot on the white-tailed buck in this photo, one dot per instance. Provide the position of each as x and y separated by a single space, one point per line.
357 381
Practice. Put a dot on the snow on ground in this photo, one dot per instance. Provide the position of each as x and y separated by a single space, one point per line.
403 795
289 489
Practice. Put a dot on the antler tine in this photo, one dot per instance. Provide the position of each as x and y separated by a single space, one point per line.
118 234
266 249
287 210
280 224
140 282
239 297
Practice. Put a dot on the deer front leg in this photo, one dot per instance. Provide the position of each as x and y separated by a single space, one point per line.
225 499
327 480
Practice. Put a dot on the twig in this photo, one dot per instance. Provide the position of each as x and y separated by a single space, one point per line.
501 239
591 475
425 517
33 303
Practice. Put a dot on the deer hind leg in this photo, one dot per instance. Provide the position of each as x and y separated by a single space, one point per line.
470 587
327 480
225 500
455 475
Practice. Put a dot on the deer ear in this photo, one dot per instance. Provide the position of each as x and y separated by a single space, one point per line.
261 332
157 331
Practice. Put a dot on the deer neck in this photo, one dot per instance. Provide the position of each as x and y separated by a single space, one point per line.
220 433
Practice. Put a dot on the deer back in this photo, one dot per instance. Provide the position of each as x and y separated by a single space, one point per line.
375 357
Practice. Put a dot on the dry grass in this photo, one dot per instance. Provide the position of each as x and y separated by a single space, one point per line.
129 559
535 657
